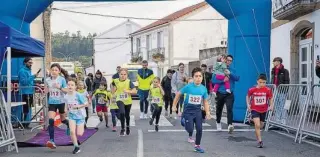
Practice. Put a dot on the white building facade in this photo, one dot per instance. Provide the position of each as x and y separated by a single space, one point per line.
112 48
295 38
181 38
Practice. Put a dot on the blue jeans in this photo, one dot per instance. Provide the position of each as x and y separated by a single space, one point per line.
280 112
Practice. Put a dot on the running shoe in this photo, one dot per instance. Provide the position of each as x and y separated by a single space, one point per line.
122 132
166 114
190 140
156 127
230 128
76 150
260 144
50 144
151 121
128 131
219 128
101 119
107 126
114 129
198 149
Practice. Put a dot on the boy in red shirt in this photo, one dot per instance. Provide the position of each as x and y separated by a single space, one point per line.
258 100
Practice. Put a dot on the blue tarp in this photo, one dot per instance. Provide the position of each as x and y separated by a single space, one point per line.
22 45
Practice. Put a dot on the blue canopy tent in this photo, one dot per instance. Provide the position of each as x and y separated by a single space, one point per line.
15 44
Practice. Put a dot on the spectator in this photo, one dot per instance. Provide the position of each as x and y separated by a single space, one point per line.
280 75
223 97
207 76
318 68
26 79
145 77
178 81
166 85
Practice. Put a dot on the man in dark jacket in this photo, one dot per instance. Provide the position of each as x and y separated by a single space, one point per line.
280 75
166 85
206 77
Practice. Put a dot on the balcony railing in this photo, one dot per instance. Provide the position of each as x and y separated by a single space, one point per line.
155 51
292 9
136 57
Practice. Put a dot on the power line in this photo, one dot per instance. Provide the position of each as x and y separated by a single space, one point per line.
130 17
99 5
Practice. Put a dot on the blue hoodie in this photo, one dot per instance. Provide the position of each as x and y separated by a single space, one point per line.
26 79
233 78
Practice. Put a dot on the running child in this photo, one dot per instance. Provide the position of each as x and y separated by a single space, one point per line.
221 71
102 96
258 100
114 109
86 97
56 85
196 95
156 93
75 105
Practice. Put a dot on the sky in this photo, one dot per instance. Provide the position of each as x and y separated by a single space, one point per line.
62 21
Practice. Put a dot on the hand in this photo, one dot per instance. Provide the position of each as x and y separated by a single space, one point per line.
226 79
126 91
318 63
270 108
227 72
249 108
56 85
208 116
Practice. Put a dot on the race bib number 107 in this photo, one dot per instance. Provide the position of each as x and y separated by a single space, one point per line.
195 99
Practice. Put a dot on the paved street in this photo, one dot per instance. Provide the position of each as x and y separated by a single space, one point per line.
171 141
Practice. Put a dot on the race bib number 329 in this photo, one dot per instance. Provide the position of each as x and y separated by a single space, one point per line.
195 99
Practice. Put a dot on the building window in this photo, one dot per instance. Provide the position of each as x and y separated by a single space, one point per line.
160 39
128 29
138 46
148 44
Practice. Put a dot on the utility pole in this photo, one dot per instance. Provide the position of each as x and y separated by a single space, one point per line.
47 34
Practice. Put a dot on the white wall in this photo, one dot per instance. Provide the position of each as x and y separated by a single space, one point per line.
110 53
280 38
191 36
37 32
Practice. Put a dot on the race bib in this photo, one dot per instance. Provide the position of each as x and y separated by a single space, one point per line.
76 112
155 100
55 94
195 99
123 96
260 100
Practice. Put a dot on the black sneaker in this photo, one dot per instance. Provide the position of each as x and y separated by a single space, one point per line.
76 150
122 132
151 121
101 119
260 144
156 127
128 131
107 126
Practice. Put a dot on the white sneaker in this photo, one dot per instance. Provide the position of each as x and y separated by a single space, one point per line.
219 128
141 115
145 116
228 90
166 114
230 128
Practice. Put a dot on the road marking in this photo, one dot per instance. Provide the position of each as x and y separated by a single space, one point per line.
132 121
206 130
93 121
140 144
163 121
293 137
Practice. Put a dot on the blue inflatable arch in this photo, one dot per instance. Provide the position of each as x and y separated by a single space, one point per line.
248 35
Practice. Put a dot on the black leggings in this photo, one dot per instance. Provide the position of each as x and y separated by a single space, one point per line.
168 102
87 112
156 112
124 111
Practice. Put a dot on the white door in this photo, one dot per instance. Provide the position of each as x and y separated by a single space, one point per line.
305 62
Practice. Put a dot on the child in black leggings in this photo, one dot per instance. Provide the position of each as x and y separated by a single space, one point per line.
156 93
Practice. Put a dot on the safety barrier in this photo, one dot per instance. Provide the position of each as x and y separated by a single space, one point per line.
310 121
289 101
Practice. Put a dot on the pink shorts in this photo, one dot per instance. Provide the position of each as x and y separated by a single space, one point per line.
102 109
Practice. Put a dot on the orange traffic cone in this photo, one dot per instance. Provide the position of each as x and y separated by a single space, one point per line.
57 120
